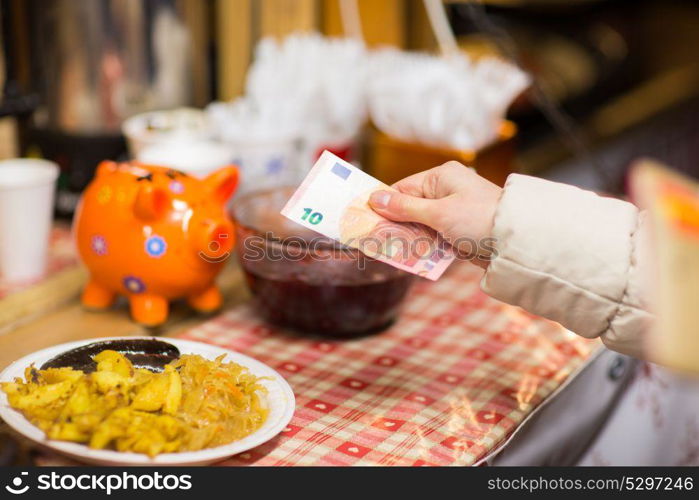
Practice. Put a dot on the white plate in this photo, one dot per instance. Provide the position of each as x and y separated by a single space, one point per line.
280 399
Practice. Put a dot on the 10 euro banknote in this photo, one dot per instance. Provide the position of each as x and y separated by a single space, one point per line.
333 200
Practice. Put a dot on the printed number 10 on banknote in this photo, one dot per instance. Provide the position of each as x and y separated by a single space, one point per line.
333 200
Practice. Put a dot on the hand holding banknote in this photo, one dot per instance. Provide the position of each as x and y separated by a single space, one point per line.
333 200
413 224
451 199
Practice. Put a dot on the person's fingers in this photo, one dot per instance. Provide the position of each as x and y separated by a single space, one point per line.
413 184
402 207
436 182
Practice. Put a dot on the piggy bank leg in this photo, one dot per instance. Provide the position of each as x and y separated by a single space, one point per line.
207 301
95 296
148 310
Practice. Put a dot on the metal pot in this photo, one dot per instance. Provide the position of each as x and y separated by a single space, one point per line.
101 61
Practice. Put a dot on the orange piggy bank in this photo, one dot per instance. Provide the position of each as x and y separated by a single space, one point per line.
154 234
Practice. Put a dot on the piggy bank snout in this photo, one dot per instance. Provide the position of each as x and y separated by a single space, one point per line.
215 240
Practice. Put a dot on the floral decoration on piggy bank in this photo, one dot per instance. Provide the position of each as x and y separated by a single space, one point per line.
154 234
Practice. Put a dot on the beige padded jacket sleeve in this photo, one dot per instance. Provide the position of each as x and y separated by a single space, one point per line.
574 257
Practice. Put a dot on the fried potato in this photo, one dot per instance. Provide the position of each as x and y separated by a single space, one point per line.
113 361
54 375
151 396
173 397
41 395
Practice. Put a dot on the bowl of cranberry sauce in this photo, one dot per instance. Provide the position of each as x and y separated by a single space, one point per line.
302 280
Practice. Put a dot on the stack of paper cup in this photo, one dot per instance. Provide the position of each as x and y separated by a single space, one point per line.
26 207
265 164
262 141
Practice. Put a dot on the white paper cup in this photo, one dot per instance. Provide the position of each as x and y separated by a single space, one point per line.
26 208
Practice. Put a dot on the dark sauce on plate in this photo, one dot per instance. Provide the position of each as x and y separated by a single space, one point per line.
151 354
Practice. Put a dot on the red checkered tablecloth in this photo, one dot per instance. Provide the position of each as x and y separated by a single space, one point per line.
445 385
61 256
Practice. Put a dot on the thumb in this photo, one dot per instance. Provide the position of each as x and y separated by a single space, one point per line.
403 207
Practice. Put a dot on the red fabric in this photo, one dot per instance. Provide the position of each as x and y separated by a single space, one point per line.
448 382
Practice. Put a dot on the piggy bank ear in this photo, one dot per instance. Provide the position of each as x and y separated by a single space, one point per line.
151 202
222 183
106 167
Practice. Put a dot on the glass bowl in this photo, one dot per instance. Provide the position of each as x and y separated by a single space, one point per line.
307 282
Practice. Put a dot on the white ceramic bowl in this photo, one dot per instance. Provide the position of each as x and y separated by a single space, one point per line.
196 157
154 127
280 399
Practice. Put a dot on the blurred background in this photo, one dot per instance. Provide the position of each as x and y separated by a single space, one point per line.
611 80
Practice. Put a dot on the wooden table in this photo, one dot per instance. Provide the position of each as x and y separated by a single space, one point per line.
69 321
